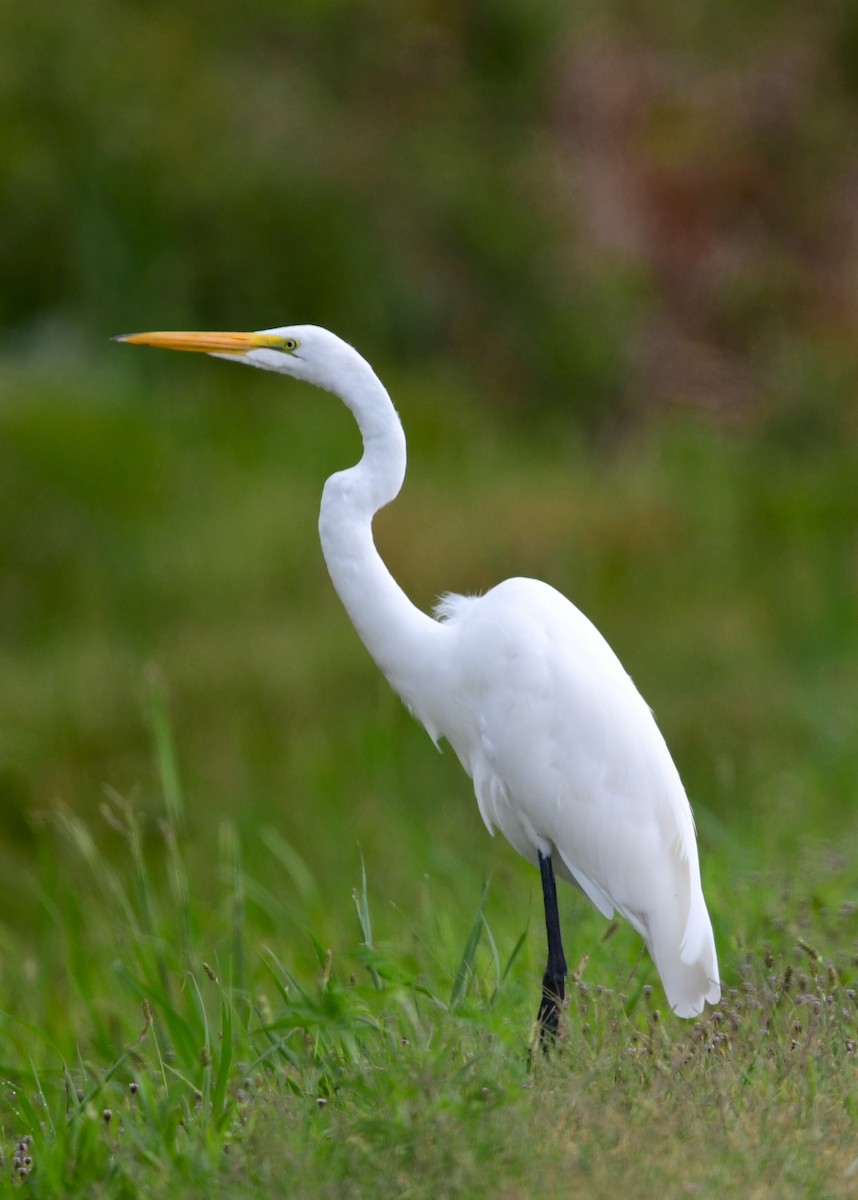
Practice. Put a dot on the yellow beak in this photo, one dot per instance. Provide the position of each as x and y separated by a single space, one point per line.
205 343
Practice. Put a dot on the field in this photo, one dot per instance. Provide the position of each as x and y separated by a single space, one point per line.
255 938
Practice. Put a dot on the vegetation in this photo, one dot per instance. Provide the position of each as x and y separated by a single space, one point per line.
405 1068
253 935
594 202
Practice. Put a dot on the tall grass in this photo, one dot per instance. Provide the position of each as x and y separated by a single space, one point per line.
179 1030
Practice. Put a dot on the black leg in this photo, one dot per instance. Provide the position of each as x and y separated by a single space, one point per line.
554 979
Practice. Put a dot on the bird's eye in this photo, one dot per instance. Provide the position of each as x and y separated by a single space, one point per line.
290 344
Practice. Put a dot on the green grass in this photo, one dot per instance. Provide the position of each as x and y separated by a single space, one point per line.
236 876
153 1044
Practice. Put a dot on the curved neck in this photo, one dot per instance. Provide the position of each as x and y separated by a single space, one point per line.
398 635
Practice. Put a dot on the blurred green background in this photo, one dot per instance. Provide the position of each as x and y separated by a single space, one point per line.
607 263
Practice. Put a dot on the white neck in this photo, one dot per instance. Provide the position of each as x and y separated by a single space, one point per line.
400 638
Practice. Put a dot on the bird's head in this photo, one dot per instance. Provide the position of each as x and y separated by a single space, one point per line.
305 352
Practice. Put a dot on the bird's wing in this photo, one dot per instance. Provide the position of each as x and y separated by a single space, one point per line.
561 745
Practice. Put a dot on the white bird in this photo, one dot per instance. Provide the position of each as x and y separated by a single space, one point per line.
565 756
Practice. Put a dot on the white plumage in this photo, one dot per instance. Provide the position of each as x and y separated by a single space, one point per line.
565 756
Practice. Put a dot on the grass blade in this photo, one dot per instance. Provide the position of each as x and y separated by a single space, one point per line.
219 1105
361 899
465 973
233 869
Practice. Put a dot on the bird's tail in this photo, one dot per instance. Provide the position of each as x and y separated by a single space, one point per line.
687 960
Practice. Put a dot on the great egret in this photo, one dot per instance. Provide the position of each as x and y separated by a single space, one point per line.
565 756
